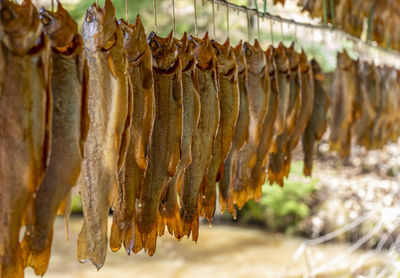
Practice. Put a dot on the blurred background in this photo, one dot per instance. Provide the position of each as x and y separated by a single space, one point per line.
342 222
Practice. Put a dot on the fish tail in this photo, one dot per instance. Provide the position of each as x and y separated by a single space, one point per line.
150 242
174 225
190 224
240 197
117 235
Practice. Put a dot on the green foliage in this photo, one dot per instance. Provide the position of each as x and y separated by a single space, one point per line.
76 204
282 209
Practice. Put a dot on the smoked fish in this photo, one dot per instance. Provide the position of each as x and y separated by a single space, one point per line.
259 171
240 136
229 112
342 106
166 140
109 108
132 173
69 129
25 124
317 124
258 85
169 209
204 137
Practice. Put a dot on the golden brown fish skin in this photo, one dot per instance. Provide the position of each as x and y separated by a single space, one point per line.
258 85
166 139
240 136
344 91
203 141
306 107
109 106
317 124
67 138
169 209
229 111
275 169
259 171
25 123
132 173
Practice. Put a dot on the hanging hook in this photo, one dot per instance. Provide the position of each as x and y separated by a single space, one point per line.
271 23
227 18
248 25
173 17
282 35
126 11
258 26
195 16
213 17
52 5
155 14
295 33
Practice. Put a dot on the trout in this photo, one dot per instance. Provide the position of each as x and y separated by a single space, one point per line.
132 173
343 92
25 124
316 126
275 171
258 173
258 85
169 209
229 111
109 107
166 139
69 129
204 137
240 136
305 110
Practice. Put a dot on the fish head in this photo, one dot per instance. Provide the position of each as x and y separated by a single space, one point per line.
281 60
293 57
99 27
163 50
317 71
269 54
185 51
203 52
240 58
135 40
255 57
303 62
21 25
225 57
58 26
344 60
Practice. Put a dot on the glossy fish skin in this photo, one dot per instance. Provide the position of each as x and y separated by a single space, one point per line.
109 106
68 135
306 107
132 173
25 124
203 141
169 209
259 171
275 165
166 139
240 136
317 124
258 85
344 92
229 112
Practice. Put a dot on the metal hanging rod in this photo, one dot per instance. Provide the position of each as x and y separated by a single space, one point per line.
324 27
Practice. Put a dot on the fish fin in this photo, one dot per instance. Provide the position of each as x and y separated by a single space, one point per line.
126 134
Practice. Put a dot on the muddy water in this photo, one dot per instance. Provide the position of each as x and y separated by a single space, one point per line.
222 251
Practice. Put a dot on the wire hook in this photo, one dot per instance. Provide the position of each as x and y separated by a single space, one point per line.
258 26
227 18
195 16
282 34
248 25
213 17
126 11
271 23
155 14
173 17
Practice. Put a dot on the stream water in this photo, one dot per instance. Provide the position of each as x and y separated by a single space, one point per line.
222 251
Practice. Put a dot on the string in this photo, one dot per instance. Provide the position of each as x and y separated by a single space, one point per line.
195 17
295 34
173 16
213 17
271 31
52 5
282 35
227 19
258 27
248 26
155 15
126 11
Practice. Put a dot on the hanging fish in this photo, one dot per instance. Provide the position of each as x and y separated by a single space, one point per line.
259 171
240 136
204 137
342 106
25 124
169 209
258 84
316 126
110 107
69 129
166 140
229 112
305 110
132 173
